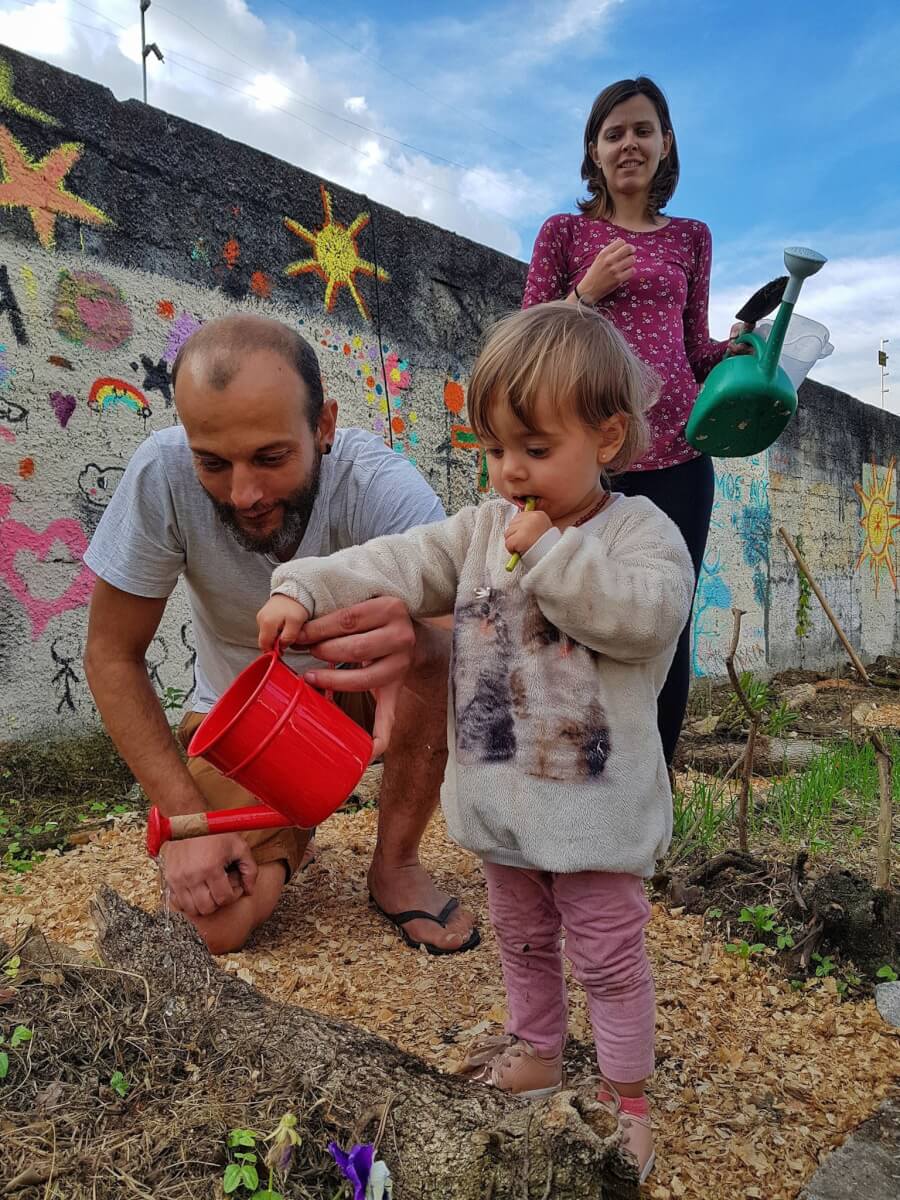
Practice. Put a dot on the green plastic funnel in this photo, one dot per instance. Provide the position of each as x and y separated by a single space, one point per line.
747 400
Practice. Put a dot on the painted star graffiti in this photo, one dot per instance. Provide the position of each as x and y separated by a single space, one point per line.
335 257
38 186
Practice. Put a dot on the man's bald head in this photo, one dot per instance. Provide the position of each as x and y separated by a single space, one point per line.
215 352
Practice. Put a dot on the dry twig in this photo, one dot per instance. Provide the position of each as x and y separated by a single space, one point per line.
753 716
885 810
854 658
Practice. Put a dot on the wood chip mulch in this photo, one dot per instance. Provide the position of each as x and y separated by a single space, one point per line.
755 1083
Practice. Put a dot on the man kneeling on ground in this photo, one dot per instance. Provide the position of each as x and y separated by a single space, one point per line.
258 473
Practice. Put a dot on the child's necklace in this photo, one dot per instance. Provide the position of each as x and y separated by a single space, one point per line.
589 516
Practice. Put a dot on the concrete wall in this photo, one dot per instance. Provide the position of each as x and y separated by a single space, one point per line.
123 228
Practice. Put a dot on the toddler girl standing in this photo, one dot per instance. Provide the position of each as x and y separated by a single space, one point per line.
556 776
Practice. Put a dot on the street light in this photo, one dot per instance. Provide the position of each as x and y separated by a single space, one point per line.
146 49
883 362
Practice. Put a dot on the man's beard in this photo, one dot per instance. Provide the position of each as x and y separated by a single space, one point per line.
297 510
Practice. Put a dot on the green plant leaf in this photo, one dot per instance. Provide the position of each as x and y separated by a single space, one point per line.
12 967
231 1180
245 1157
886 972
4 1064
250 1177
119 1084
242 1137
21 1034
266 1194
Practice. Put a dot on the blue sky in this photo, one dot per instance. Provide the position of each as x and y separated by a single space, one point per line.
787 118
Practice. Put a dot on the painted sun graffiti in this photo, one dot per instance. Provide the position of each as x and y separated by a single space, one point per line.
878 523
335 255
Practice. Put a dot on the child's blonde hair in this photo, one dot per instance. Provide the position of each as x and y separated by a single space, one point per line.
572 355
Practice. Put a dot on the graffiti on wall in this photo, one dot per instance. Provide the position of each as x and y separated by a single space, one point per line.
335 255
37 186
878 519
12 102
735 571
22 548
91 311
108 392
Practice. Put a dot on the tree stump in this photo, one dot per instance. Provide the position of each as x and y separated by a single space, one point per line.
443 1136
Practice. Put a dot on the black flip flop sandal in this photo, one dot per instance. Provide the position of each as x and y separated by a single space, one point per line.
398 920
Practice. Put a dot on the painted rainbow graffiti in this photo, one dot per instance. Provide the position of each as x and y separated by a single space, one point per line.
107 392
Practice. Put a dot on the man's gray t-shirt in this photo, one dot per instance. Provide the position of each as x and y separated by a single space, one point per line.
160 525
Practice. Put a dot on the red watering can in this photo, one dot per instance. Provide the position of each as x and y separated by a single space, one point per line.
283 741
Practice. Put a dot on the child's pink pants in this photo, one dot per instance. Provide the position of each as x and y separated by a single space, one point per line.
604 917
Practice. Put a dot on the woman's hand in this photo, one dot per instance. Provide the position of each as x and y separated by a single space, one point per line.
280 619
525 529
736 330
613 266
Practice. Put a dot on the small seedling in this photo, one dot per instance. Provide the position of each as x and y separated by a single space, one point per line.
4 1064
21 1034
784 938
824 965
11 969
760 917
887 973
242 1171
779 721
119 1084
713 913
744 949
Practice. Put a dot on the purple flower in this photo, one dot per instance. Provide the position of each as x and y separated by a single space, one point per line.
355 1165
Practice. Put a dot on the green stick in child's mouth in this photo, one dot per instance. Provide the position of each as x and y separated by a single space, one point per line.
516 558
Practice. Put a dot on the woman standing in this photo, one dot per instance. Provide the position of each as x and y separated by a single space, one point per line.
649 275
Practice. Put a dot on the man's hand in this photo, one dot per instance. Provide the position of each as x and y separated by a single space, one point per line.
207 873
378 634
525 529
280 618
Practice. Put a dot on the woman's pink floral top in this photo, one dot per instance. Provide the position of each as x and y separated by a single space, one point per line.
661 311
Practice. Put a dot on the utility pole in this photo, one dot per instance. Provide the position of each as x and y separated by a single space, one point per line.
883 362
145 49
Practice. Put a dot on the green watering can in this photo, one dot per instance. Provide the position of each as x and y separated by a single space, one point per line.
747 400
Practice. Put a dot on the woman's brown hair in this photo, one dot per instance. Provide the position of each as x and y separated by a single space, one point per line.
662 188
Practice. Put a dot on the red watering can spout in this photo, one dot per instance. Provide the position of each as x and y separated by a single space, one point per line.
283 742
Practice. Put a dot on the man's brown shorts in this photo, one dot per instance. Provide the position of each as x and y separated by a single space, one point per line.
268 845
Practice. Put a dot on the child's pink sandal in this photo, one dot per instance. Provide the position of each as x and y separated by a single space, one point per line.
637 1132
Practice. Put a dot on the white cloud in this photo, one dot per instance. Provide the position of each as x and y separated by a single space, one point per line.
247 79
36 30
269 92
857 298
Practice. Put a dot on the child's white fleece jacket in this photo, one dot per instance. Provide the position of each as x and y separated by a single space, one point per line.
555 759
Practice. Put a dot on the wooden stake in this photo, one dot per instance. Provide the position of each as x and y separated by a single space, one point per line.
885 810
861 670
747 773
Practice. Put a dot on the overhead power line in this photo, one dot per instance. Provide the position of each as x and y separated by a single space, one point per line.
174 59
382 66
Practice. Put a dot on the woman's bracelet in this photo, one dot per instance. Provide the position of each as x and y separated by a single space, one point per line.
581 299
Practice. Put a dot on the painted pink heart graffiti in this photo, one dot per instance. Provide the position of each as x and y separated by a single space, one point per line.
16 538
